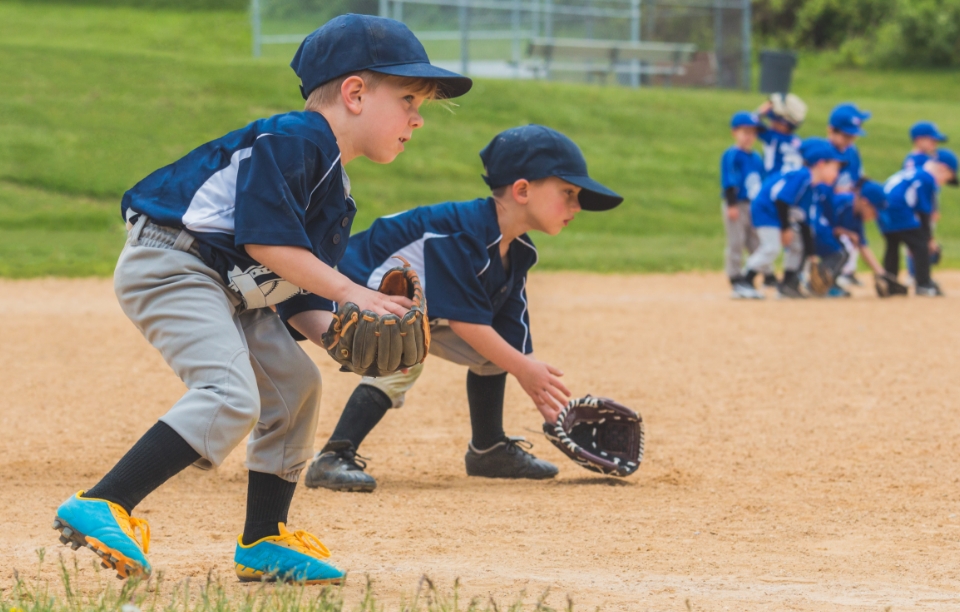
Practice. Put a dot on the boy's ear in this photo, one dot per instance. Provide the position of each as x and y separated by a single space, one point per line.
521 190
352 92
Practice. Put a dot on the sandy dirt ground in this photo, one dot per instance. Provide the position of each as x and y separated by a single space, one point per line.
800 455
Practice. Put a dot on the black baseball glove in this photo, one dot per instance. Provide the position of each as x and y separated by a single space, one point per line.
887 285
372 345
599 434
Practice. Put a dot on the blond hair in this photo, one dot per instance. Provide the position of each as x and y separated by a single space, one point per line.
325 94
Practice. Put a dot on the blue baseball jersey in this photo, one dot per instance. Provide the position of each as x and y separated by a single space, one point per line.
781 152
846 217
742 170
277 181
909 193
455 247
915 161
791 187
852 170
823 219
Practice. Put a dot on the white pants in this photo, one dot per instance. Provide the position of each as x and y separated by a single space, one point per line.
853 253
243 371
444 344
741 236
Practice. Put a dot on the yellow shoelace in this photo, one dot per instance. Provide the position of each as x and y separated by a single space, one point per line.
140 525
307 543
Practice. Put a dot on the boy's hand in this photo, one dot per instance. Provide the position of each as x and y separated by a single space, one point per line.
786 237
733 213
542 383
368 299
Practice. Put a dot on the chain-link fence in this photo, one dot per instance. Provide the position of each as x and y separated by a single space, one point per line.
631 42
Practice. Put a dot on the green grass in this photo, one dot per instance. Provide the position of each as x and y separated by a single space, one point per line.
95 98
79 588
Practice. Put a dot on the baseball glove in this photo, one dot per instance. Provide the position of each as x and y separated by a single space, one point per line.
821 278
599 434
370 345
789 108
887 285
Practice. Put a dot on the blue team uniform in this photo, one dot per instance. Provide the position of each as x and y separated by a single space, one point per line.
277 181
915 161
909 194
791 187
823 216
846 218
781 152
455 247
852 170
742 170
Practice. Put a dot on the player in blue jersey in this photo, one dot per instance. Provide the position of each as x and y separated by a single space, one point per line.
473 259
780 213
741 175
910 198
256 219
844 127
781 145
852 211
926 137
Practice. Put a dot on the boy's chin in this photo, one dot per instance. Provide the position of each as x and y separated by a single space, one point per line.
383 157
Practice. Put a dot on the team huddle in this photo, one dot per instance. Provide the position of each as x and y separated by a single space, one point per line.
242 248
810 198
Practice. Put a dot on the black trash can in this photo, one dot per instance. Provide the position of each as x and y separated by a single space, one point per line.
776 71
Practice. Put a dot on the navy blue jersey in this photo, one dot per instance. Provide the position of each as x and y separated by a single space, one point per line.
909 193
277 181
852 170
823 219
781 152
791 187
455 247
742 170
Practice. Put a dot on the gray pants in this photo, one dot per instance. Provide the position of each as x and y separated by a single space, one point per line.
741 236
769 237
444 344
243 371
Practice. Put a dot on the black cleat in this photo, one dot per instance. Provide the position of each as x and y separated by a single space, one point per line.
790 291
770 280
508 459
930 290
338 467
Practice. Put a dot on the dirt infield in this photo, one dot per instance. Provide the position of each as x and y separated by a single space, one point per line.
800 455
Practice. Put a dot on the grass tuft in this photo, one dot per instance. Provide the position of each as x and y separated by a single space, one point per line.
78 591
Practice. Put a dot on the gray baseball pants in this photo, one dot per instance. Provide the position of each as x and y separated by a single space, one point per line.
444 344
741 236
768 250
245 374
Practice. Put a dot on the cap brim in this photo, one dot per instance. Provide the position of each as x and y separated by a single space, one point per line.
593 195
940 138
450 84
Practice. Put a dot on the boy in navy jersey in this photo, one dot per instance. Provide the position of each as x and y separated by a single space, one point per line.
256 219
473 258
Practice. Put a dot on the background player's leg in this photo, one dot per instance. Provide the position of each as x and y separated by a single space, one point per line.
337 466
485 397
891 256
918 244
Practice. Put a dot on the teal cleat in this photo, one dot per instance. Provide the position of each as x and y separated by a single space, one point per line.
289 557
106 529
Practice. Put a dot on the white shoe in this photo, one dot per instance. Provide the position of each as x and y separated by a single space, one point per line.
743 291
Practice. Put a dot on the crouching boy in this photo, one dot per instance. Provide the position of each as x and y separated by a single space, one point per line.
473 258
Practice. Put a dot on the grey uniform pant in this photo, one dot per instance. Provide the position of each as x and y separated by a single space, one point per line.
444 344
769 248
245 374
741 236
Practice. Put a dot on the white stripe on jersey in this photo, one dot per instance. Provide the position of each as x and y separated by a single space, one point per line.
526 329
214 204
413 253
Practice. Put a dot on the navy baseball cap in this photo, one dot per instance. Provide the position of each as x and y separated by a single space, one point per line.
927 128
873 192
847 118
535 152
818 149
745 119
949 159
350 43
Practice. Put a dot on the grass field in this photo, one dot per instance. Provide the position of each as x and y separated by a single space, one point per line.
93 99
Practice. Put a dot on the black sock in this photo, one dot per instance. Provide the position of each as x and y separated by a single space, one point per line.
790 277
268 501
485 396
748 278
363 411
153 460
